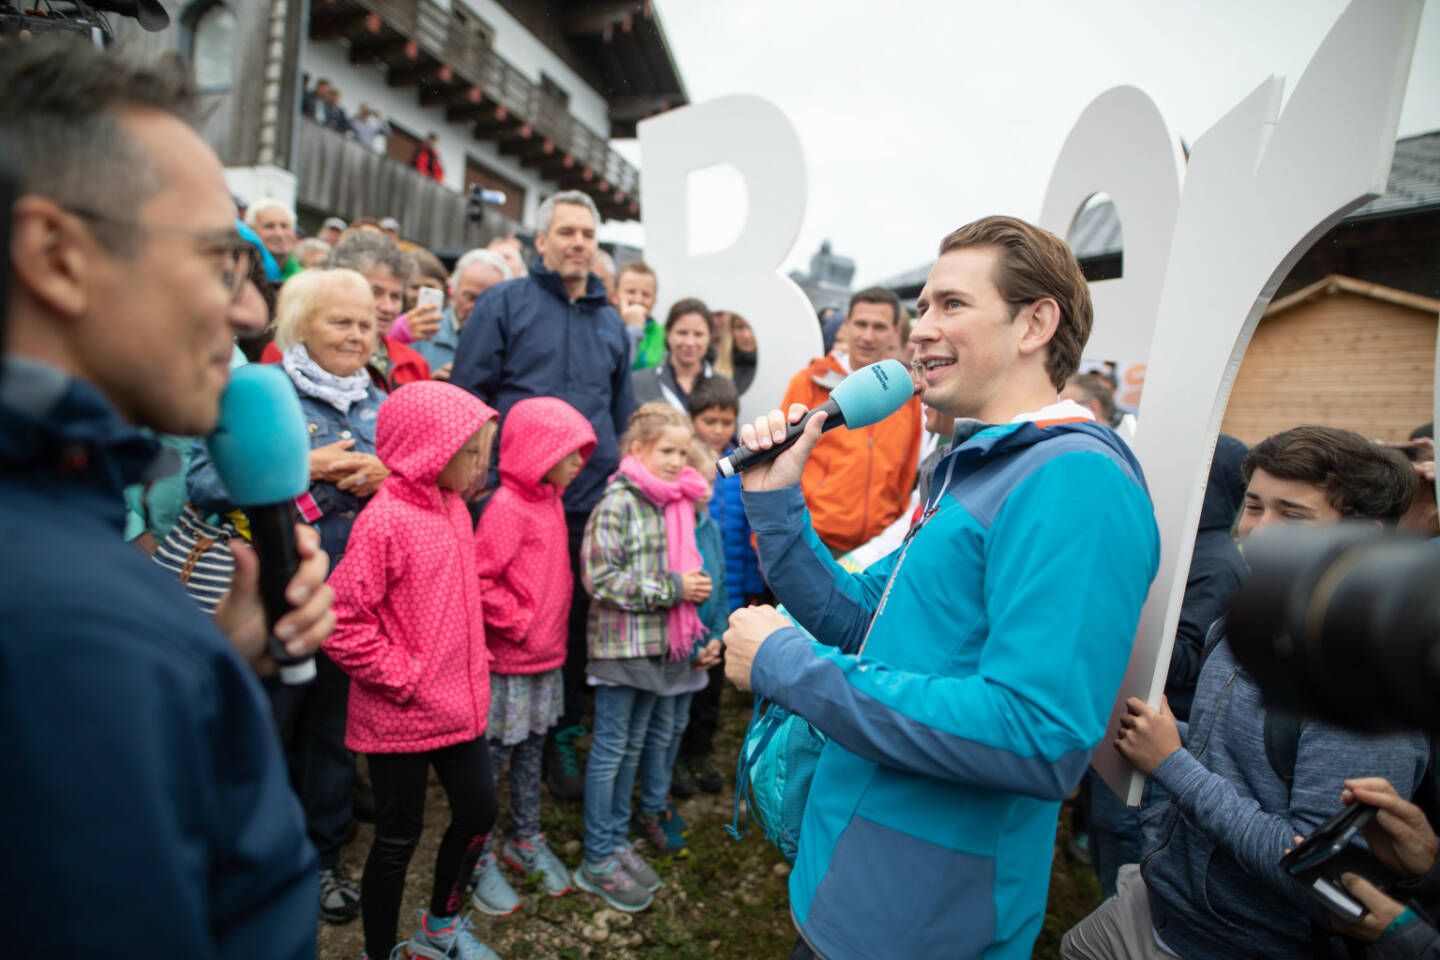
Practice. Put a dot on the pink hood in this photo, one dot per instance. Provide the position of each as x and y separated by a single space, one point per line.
522 545
410 626
539 433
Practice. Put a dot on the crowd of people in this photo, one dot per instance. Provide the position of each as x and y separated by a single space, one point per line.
321 103
515 539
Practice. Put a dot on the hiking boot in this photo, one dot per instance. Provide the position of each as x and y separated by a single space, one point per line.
682 784
493 893
677 822
339 900
706 777
609 881
641 872
562 764
535 856
452 941
659 830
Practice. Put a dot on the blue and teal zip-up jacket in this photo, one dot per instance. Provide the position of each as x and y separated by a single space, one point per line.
970 711
715 612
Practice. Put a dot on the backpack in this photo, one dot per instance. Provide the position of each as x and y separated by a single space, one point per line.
777 763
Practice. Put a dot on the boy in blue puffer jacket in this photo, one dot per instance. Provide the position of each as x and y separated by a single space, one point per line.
714 405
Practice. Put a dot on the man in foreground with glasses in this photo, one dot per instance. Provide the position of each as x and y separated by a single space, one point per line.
143 768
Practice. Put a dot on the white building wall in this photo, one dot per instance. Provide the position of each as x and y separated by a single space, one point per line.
528 55
366 84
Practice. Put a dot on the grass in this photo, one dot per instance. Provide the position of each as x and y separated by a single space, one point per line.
728 898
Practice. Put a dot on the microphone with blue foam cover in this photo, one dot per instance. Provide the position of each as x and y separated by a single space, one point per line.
867 396
261 449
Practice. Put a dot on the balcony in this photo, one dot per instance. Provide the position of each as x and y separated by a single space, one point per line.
339 176
420 44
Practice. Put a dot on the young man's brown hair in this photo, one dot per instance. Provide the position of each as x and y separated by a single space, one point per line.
634 266
1033 264
1360 478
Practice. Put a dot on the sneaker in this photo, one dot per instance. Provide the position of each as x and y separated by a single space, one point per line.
682 784
453 941
339 901
641 872
681 827
535 856
609 881
659 830
706 777
562 764
493 893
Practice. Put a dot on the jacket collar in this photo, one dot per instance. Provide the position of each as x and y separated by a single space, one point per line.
549 280
51 422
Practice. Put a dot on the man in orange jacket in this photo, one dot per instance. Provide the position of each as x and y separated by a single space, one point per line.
858 481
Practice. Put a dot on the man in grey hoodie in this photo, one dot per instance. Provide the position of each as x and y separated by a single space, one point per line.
1209 882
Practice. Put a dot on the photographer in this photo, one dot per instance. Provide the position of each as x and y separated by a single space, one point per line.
1404 842
1210 882
144 775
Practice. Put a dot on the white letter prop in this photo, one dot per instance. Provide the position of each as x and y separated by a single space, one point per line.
1122 146
1261 187
753 136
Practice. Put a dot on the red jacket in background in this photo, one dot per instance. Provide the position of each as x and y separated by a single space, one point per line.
406 365
410 629
522 545
427 161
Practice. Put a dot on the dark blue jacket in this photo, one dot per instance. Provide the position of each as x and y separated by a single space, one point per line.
140 752
742 567
1216 571
525 338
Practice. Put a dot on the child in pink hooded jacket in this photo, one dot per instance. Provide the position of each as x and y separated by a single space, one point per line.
523 556
410 632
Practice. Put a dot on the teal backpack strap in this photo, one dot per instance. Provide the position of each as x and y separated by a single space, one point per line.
749 751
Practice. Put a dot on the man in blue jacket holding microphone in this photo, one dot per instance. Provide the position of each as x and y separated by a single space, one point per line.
964 681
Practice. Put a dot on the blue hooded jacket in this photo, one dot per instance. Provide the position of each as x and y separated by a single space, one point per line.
526 338
140 750
742 567
963 696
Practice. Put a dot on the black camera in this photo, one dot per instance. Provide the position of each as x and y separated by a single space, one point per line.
1342 622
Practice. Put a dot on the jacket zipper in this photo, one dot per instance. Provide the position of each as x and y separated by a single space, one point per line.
869 470
1219 704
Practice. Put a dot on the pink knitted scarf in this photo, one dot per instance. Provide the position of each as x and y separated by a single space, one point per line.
677 499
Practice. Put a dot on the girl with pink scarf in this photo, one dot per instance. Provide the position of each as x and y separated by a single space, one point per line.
641 565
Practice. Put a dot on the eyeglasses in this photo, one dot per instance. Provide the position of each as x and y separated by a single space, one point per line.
233 254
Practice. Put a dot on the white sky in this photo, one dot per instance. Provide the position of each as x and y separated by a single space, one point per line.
917 116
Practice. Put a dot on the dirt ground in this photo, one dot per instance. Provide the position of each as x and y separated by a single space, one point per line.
728 898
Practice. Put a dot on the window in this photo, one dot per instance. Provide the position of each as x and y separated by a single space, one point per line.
553 90
208 32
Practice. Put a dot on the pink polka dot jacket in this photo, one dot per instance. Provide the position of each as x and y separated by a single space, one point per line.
410 628
522 546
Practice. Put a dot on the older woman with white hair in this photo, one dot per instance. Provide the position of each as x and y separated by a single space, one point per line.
325 330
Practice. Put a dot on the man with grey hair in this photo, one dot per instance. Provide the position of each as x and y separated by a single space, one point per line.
140 749
553 334
475 272
275 223
388 269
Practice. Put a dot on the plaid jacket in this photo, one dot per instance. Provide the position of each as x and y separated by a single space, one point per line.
626 573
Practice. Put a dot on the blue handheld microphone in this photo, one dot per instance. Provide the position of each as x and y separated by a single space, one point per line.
261 450
867 396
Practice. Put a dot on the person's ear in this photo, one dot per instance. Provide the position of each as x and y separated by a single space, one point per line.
1041 319
53 257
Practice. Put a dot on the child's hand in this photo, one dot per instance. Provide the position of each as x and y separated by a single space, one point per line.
1147 736
708 656
695 586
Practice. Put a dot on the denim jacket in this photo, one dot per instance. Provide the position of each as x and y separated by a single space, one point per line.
326 425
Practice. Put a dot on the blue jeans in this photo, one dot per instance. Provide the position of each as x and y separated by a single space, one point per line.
622 717
662 746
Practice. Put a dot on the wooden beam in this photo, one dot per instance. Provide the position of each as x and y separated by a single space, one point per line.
603 19
418 71
341 23
376 50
